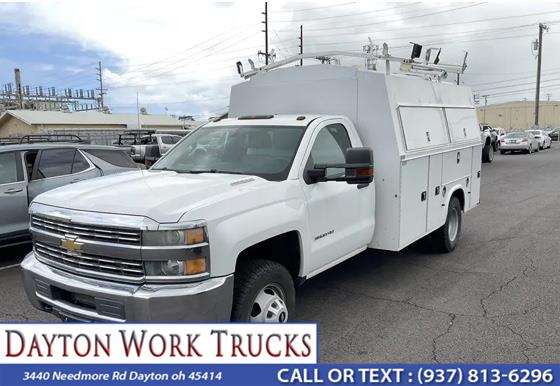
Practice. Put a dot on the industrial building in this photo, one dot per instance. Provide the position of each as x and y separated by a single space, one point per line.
520 114
96 127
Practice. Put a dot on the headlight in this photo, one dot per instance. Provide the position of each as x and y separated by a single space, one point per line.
174 237
176 254
173 268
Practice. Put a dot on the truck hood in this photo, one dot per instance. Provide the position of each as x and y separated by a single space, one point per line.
160 195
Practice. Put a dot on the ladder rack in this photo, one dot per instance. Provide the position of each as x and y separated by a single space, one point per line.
439 71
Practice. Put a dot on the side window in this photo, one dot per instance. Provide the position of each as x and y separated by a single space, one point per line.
9 170
114 157
80 163
55 162
330 147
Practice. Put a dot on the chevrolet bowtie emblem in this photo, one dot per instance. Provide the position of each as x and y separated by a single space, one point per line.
69 243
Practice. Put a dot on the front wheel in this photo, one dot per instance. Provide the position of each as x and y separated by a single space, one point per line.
448 235
263 292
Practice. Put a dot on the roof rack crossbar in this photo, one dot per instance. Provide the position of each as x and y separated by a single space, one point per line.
442 69
33 138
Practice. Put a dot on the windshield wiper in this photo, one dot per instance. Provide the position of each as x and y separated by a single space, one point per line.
211 171
166 169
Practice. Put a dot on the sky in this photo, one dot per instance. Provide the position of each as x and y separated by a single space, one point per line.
180 56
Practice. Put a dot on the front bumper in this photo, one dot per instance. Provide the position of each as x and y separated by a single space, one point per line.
85 299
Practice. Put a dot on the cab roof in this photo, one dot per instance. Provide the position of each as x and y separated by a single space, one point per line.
269 119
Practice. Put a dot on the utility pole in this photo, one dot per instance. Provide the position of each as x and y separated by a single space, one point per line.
138 111
19 96
265 22
485 105
100 89
301 43
542 28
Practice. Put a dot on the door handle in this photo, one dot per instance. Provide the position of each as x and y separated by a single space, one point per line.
13 190
75 180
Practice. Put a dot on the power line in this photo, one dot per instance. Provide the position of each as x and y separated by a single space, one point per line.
398 19
183 52
515 85
549 72
347 15
459 34
523 91
315 8
493 20
463 34
478 40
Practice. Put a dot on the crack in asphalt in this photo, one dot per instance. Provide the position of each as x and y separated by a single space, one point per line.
435 340
494 292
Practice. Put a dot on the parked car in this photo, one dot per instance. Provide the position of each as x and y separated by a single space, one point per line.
490 142
225 224
553 134
542 138
27 170
519 141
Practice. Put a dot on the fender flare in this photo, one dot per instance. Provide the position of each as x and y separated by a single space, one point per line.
452 191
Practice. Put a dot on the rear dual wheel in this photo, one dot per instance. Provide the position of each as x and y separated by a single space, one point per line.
488 153
448 235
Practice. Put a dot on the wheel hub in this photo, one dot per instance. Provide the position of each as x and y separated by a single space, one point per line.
453 226
269 306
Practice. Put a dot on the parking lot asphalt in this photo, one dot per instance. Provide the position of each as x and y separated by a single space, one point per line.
496 298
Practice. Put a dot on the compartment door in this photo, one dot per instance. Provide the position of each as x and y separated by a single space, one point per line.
436 209
414 200
474 186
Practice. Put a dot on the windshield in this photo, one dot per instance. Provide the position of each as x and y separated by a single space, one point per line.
264 151
515 135
534 132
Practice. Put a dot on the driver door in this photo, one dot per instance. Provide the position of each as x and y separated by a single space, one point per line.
340 215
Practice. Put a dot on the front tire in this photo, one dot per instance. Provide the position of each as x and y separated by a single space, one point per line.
448 235
263 292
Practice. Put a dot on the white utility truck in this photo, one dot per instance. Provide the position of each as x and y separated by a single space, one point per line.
313 165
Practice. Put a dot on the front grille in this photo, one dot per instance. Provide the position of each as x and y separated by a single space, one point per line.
86 231
88 263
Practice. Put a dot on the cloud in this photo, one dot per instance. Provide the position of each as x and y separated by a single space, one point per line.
182 54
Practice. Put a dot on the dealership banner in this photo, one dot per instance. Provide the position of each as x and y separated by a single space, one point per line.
264 375
184 343
217 354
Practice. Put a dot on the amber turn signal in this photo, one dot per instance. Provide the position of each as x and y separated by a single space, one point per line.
194 236
195 266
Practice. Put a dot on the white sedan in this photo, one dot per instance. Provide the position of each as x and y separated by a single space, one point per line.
519 141
545 142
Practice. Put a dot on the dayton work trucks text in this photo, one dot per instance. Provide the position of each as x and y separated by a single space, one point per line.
314 165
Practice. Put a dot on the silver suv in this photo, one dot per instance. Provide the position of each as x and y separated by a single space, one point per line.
27 170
